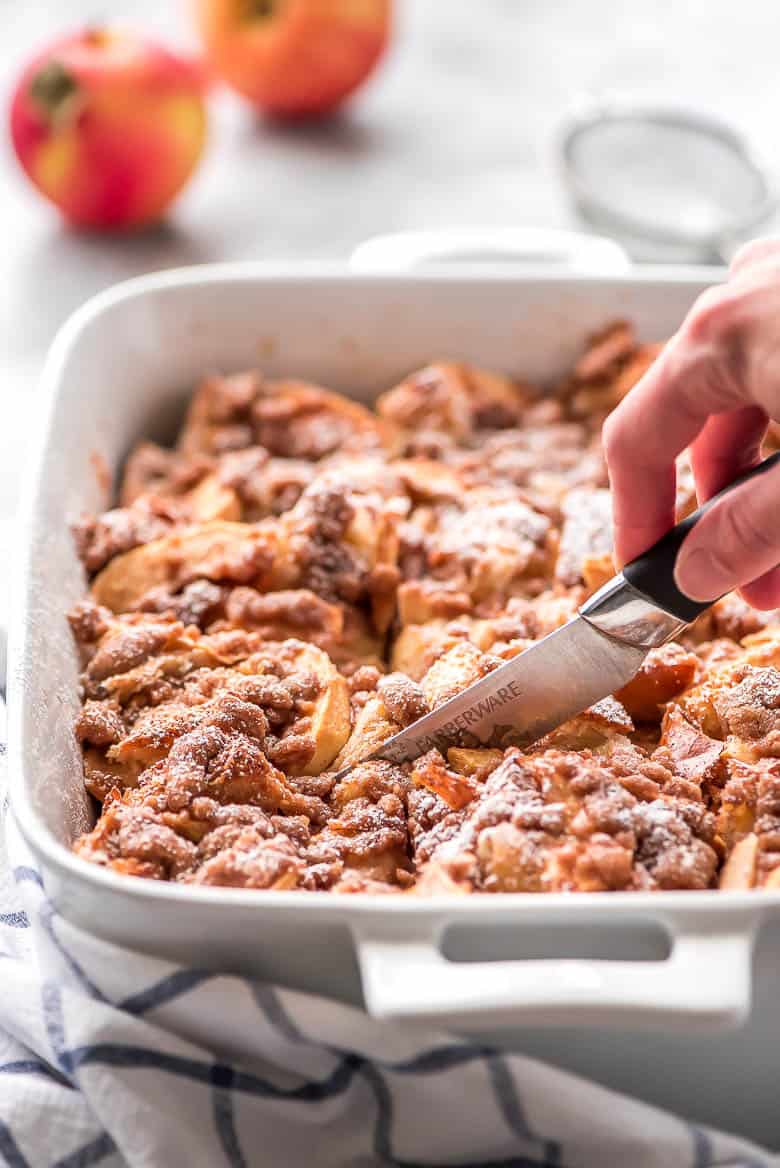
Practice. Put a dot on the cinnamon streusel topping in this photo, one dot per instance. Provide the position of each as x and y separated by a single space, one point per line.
302 576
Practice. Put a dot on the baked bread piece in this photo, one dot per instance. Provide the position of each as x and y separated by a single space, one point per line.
560 821
301 577
292 419
149 680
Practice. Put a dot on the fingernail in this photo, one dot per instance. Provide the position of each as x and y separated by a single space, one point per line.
698 576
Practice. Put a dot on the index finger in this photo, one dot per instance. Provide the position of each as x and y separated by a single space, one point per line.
654 423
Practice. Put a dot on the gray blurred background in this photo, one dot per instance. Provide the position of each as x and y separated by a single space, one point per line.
458 127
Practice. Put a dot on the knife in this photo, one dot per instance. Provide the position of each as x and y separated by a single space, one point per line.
592 655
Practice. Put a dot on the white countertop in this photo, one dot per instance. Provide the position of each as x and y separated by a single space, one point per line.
457 128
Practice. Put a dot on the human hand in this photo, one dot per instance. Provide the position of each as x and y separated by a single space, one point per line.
714 389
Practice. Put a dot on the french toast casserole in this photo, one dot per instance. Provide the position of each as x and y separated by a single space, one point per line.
300 577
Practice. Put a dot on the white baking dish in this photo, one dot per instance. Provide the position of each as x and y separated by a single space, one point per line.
121 368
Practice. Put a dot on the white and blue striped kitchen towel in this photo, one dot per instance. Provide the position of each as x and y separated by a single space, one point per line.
193 1070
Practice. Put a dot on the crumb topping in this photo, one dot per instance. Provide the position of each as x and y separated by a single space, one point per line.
301 577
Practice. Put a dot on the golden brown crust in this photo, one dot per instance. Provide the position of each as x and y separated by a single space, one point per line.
586 537
454 399
302 577
563 821
664 674
292 419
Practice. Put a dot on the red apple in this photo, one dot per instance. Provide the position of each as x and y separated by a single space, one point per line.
109 126
294 58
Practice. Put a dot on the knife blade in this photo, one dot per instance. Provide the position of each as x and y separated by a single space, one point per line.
550 682
592 655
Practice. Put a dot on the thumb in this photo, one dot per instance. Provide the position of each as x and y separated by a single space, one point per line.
734 543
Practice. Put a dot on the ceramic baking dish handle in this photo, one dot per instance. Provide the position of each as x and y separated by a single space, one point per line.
705 982
575 251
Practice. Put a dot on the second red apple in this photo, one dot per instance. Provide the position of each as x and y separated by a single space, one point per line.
294 58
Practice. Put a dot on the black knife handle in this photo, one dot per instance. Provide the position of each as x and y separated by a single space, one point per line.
652 573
